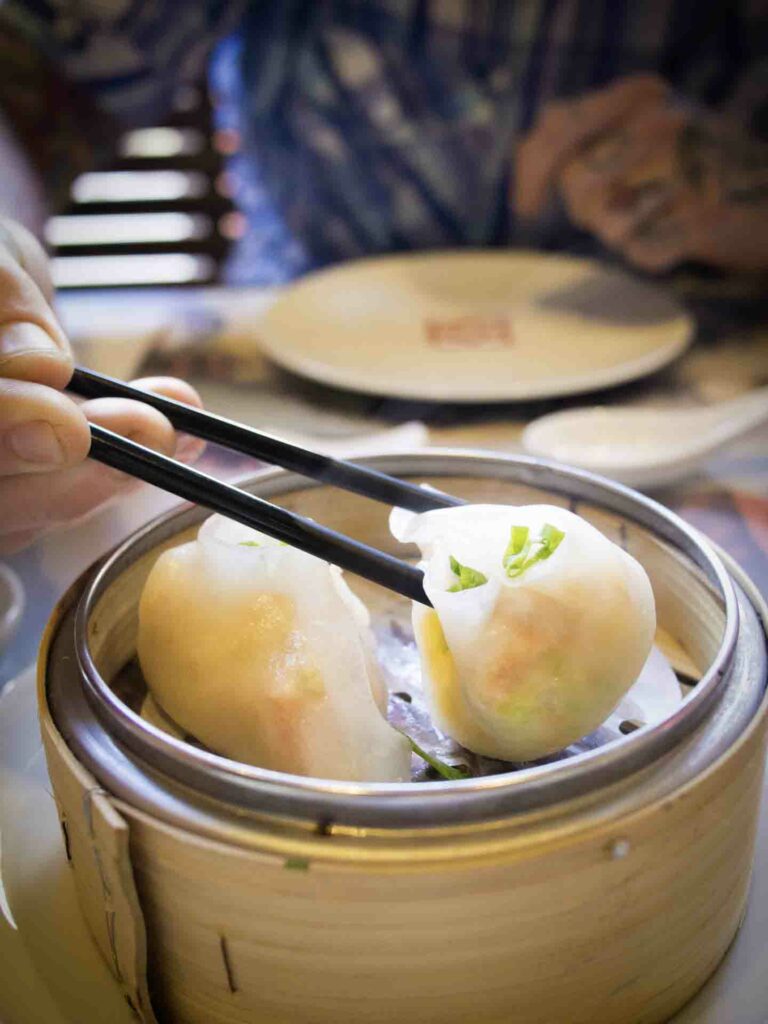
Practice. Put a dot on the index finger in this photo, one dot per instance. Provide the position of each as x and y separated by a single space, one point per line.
29 254
566 126
33 347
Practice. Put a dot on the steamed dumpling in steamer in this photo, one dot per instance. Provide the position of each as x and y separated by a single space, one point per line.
263 653
540 625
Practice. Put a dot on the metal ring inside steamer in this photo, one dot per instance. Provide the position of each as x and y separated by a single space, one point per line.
405 805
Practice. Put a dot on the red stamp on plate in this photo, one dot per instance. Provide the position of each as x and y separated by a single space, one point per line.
468 332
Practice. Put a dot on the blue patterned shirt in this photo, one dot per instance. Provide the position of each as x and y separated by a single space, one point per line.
371 126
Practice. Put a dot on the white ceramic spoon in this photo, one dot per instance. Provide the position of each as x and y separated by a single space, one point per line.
643 447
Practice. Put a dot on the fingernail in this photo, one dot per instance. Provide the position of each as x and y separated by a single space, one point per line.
18 338
36 442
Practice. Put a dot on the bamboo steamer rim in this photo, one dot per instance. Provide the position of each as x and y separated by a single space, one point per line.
444 802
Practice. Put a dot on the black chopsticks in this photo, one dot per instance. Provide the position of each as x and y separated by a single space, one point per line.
335 472
185 482
120 453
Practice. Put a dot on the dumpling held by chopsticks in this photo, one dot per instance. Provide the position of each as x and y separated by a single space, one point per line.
540 625
263 653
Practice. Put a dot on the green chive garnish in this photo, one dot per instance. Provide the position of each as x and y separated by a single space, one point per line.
523 551
467 577
446 770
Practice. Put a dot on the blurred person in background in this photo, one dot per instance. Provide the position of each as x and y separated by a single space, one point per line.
628 127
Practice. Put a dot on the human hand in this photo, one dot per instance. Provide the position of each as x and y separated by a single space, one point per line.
654 180
45 477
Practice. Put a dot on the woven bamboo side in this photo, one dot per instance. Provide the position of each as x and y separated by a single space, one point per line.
96 843
596 925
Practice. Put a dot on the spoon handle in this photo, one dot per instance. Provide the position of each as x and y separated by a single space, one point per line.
745 412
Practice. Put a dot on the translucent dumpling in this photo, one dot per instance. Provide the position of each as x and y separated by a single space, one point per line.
540 625
263 654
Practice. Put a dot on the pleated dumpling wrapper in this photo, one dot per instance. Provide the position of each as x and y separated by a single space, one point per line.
540 625
264 654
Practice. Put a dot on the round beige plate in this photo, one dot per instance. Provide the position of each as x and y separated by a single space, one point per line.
474 326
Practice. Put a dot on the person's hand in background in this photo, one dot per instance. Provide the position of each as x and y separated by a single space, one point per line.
45 478
655 180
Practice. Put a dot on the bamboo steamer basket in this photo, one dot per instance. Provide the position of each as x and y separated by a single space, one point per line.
602 888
